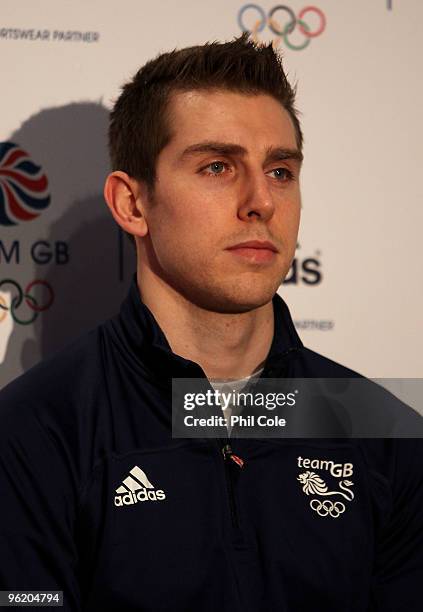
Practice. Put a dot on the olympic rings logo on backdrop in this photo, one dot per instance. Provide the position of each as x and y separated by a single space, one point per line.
284 31
29 299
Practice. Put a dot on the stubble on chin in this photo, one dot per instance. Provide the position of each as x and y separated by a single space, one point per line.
228 297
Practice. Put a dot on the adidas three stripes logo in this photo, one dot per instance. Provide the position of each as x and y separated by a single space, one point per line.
137 488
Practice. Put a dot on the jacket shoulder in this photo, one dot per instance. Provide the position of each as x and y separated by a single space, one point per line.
317 365
50 412
58 381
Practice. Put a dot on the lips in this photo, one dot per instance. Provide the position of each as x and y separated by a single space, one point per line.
255 244
254 252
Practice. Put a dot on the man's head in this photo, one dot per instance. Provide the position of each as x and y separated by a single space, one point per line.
206 148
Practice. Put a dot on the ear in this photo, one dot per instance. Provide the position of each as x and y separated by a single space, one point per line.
124 197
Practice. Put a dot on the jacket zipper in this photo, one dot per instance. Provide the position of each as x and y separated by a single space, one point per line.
229 457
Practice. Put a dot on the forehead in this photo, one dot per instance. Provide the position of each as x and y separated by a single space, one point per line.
253 121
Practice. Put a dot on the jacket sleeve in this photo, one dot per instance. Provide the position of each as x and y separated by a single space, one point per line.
398 573
38 495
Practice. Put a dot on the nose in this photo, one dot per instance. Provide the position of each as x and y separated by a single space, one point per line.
256 199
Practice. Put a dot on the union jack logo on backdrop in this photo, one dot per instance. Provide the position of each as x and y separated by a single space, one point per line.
23 186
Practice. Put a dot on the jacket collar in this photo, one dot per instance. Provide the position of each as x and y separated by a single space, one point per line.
142 336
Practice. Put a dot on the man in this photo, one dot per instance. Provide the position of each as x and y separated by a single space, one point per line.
98 500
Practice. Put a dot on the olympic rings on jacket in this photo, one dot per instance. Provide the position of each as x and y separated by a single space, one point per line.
326 507
29 299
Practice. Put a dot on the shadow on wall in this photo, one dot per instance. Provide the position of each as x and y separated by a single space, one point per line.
70 143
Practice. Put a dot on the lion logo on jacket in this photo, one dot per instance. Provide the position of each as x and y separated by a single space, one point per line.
313 484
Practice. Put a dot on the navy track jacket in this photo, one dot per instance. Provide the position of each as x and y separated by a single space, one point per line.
99 501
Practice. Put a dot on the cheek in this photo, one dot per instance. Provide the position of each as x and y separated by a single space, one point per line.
296 219
289 221
183 215
179 231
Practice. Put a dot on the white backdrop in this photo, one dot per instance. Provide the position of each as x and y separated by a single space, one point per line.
360 94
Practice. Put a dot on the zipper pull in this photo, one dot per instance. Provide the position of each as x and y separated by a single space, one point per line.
228 453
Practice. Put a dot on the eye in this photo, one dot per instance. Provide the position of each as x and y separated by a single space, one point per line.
216 168
283 173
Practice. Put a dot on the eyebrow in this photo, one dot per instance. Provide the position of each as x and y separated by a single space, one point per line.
227 148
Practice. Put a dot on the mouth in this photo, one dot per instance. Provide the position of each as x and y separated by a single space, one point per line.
255 251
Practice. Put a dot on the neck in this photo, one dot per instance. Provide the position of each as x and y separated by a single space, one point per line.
225 345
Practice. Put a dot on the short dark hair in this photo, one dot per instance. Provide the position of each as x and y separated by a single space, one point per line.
139 126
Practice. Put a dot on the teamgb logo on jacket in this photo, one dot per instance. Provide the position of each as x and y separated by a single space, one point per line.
137 488
314 485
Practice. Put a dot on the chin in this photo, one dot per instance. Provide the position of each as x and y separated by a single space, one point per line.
232 301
